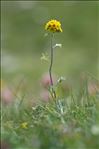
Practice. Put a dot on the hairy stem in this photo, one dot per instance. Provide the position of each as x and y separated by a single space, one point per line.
50 68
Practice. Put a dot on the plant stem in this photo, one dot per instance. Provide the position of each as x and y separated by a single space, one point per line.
50 68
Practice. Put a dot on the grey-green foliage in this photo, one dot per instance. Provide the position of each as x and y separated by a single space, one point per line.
64 123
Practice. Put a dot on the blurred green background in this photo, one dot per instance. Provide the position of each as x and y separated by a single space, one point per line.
23 40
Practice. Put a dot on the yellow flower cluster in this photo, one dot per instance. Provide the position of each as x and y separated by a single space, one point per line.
53 26
24 125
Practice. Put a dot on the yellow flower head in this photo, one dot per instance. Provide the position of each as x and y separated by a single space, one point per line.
53 26
24 125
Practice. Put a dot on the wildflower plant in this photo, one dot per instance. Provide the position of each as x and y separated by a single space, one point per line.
52 26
